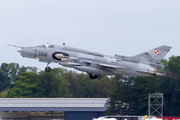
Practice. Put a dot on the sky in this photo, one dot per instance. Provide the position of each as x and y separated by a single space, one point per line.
125 27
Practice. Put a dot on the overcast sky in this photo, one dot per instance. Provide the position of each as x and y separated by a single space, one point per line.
126 27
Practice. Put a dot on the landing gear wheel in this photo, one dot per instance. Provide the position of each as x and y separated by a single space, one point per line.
47 69
93 76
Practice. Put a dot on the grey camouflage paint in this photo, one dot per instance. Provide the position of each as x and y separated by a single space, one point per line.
144 64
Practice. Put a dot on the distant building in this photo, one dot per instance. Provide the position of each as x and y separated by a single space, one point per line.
52 108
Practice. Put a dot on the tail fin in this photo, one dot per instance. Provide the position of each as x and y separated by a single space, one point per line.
154 56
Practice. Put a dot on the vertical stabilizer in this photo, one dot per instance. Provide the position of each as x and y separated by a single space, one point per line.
154 56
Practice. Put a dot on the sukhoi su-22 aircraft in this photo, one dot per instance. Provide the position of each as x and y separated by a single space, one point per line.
94 63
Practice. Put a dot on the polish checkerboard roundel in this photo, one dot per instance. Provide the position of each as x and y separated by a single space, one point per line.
156 52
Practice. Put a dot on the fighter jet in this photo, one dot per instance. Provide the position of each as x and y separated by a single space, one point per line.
94 63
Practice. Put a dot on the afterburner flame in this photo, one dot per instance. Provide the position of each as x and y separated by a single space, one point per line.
167 74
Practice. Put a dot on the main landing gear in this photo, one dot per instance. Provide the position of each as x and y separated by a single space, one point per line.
48 69
93 76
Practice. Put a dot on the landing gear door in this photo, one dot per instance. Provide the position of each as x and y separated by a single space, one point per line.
35 53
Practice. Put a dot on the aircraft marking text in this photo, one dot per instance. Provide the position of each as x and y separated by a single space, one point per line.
42 53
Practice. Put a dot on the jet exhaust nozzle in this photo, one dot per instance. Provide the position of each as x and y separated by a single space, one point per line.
167 74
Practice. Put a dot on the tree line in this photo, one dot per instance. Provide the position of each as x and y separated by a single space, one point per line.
128 95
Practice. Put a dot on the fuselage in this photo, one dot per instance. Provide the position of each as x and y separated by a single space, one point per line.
91 62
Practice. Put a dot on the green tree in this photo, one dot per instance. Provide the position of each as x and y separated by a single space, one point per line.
11 70
173 64
142 87
4 81
81 86
23 69
171 87
168 86
51 85
122 95
27 86
100 88
78 84
3 93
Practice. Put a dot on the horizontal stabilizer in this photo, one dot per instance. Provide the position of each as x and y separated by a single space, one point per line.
159 65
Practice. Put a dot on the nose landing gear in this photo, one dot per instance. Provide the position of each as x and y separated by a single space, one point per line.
48 69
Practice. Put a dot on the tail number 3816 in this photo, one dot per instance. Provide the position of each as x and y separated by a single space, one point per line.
42 53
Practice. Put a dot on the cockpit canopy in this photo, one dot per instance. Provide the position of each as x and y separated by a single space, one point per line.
46 45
